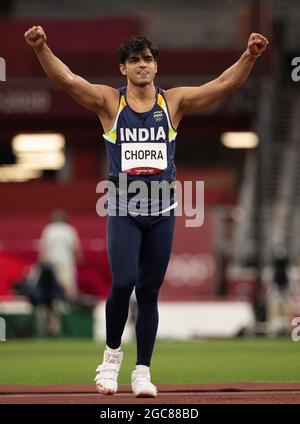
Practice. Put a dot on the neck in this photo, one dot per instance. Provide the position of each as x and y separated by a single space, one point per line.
142 93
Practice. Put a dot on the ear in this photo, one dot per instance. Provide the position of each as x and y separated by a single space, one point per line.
156 67
123 69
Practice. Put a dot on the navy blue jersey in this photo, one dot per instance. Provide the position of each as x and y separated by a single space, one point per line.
142 144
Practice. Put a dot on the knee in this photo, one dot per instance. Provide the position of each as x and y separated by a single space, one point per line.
121 290
146 296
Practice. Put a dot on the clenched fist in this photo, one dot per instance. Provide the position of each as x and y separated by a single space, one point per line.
257 44
35 37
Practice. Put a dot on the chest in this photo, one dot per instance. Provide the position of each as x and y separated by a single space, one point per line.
148 127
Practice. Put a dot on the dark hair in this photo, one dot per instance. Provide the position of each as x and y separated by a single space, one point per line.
136 44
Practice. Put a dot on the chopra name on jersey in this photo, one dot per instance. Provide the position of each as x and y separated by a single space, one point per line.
142 134
143 154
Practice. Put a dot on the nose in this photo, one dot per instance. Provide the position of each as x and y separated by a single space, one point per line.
142 63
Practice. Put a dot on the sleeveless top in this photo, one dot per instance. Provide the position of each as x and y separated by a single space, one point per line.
141 147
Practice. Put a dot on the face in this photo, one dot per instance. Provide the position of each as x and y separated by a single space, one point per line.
140 68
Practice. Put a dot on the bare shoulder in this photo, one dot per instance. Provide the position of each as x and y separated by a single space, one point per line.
109 100
173 97
106 90
109 94
108 108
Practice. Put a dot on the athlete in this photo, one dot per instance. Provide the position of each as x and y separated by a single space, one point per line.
140 124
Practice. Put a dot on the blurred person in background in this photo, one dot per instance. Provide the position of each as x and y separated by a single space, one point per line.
279 294
60 247
139 246
51 284
39 284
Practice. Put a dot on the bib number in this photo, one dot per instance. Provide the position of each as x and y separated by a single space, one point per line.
144 158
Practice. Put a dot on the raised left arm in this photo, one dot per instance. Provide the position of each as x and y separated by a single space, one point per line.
193 99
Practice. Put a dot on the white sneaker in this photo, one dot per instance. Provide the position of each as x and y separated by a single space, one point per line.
140 382
106 379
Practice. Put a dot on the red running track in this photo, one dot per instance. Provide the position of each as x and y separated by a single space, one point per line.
230 393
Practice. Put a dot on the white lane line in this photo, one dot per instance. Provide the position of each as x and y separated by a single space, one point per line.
34 395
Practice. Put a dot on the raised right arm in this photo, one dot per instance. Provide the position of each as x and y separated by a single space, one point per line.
95 97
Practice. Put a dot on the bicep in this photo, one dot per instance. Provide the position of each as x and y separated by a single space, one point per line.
194 99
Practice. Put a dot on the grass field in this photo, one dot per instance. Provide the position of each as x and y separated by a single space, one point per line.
199 361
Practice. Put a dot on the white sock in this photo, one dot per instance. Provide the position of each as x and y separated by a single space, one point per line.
113 350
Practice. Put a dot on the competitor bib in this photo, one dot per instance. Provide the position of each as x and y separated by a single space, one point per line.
143 158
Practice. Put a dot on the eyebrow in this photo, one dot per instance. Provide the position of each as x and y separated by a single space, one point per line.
148 56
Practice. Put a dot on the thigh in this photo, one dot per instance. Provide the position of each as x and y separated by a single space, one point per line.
123 247
156 250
